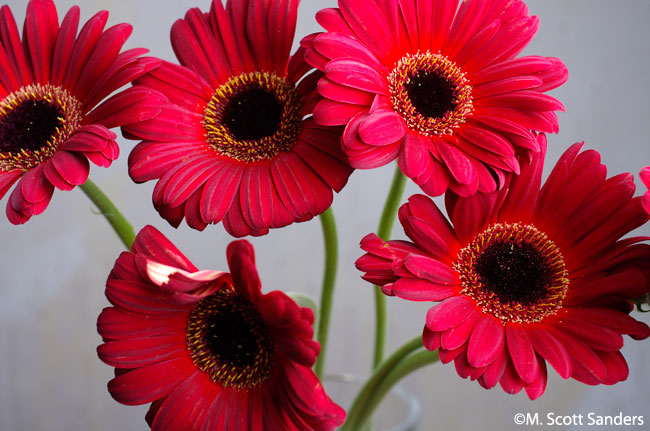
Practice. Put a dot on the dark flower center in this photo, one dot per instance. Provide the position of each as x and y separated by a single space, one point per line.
513 272
432 95
228 336
29 126
229 340
34 121
253 114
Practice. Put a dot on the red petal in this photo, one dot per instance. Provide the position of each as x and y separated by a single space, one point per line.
34 187
369 25
14 48
172 124
188 180
7 179
129 106
415 289
431 339
256 200
151 160
331 113
536 388
219 192
583 356
297 186
150 383
115 324
40 31
449 313
526 100
456 161
83 48
191 52
141 298
64 44
332 170
187 405
382 127
522 353
550 349
432 270
104 54
617 369
341 93
336 45
155 246
494 371
425 224
280 28
510 381
455 337
137 352
356 74
486 342
594 335
241 261
73 167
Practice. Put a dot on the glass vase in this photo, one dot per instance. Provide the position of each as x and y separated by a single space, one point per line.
398 411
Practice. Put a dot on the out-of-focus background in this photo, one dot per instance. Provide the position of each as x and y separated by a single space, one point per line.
54 267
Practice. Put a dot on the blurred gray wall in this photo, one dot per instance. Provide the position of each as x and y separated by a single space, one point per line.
54 267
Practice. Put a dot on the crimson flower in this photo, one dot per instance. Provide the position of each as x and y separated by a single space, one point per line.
236 142
435 85
207 348
52 121
525 276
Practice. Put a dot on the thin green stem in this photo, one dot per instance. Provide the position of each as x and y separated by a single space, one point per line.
371 385
120 224
409 364
327 290
385 227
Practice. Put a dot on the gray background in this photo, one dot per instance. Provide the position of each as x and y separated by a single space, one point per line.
54 268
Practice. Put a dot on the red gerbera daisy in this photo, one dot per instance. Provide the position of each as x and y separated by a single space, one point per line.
436 85
645 177
207 348
525 275
234 143
50 86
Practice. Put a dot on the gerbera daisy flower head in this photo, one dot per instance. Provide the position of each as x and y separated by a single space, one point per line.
525 275
436 85
236 142
52 118
207 348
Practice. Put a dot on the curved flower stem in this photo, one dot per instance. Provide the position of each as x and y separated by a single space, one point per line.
385 227
402 369
120 224
327 290
367 392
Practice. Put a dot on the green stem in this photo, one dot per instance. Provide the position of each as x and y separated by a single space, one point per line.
402 369
120 225
327 290
367 391
385 227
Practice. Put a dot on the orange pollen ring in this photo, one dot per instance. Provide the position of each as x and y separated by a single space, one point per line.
220 368
428 63
514 234
70 121
220 138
